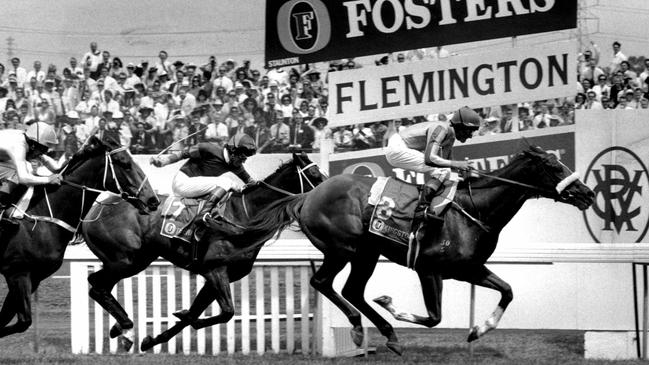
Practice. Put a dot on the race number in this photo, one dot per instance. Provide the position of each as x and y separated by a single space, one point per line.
384 208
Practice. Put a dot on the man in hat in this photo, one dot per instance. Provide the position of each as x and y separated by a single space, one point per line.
17 148
222 79
427 148
185 100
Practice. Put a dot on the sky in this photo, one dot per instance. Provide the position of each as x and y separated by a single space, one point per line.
53 31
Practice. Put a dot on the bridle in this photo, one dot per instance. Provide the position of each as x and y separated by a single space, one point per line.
559 189
303 177
108 164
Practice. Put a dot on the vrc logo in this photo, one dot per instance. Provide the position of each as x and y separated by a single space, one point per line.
618 177
303 26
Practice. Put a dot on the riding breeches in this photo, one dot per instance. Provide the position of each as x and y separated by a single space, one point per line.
196 186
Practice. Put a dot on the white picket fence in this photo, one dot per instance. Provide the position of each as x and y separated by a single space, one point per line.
275 303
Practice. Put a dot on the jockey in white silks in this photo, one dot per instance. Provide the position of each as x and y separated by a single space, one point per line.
18 150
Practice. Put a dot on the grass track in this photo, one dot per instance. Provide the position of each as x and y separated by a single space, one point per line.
436 346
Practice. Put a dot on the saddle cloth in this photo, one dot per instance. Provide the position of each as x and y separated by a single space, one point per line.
394 206
178 213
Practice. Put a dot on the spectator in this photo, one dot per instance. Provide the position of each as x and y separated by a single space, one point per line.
142 141
320 132
223 80
19 72
280 133
179 133
301 135
618 57
217 130
343 138
261 133
36 72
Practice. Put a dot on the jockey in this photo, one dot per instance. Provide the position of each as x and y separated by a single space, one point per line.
18 150
211 169
426 147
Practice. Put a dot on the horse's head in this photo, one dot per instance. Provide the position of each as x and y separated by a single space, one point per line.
555 180
106 165
298 175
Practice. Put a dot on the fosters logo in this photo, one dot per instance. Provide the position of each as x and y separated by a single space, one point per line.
620 181
303 26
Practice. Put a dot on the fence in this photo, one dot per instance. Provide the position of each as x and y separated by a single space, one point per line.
275 309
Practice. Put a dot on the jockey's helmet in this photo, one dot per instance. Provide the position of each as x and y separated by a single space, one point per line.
243 144
42 133
466 117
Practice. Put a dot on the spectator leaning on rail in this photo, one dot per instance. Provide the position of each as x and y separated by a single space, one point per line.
210 170
16 149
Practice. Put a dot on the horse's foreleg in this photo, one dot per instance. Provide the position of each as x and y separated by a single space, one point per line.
323 280
102 283
431 286
18 300
485 278
202 300
362 268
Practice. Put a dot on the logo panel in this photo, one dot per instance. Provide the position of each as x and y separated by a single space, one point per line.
303 26
618 177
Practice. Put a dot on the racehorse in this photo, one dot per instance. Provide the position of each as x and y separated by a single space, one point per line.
128 243
33 250
334 216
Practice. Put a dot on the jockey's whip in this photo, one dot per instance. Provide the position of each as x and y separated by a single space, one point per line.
180 140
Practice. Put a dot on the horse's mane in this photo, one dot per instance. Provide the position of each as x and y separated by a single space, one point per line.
279 170
91 149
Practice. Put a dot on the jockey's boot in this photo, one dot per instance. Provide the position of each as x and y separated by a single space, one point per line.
215 221
206 213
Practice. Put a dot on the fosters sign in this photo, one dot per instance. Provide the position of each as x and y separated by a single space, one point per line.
305 31
418 88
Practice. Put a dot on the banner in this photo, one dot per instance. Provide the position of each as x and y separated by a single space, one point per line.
399 90
306 31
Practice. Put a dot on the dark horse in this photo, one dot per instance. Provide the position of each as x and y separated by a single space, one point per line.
128 243
334 217
33 250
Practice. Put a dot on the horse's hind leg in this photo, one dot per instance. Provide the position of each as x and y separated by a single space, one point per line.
362 267
202 300
482 276
19 300
323 280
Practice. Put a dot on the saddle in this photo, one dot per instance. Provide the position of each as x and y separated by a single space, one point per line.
178 215
180 220
22 196
394 204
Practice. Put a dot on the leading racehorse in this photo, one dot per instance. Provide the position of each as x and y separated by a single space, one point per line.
34 249
128 243
334 217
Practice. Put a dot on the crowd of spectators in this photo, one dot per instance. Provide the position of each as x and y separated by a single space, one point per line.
149 107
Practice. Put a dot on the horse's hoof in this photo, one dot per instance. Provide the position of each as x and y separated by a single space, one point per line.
147 343
357 335
115 331
473 335
125 343
395 347
383 300
183 315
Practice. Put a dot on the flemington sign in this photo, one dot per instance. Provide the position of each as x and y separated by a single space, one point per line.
399 90
306 31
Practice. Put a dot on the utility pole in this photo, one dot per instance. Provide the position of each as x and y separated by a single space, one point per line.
10 47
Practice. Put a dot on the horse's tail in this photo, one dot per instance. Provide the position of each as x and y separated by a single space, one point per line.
272 220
